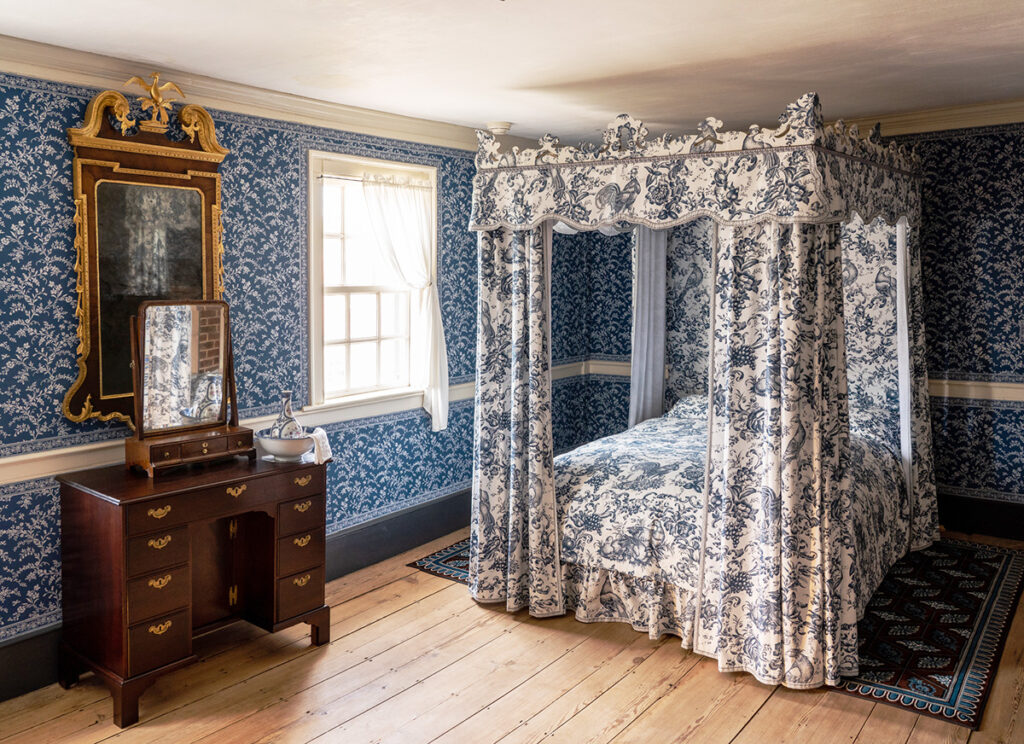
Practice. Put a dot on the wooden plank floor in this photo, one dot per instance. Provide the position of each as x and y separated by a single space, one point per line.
413 659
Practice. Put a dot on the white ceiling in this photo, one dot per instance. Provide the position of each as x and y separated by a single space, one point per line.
566 66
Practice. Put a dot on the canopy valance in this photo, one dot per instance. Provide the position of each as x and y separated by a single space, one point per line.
802 171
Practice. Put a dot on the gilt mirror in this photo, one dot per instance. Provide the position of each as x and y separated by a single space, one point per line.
184 358
147 227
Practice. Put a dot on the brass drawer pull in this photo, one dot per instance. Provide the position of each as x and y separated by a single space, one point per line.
160 513
160 543
160 629
302 541
303 480
237 490
206 448
166 455
304 506
161 582
240 443
303 581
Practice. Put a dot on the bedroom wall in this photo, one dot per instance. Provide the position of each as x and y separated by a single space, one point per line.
382 464
973 265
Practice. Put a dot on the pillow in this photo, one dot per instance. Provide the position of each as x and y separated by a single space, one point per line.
690 407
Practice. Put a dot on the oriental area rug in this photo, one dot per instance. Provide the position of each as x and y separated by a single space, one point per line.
931 637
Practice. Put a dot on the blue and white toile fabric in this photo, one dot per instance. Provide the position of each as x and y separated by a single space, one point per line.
630 506
514 546
785 498
167 366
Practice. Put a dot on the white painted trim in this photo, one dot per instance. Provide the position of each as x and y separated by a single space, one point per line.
940 119
599 367
62 65
1009 391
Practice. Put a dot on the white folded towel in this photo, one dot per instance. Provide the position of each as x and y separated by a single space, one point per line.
321 446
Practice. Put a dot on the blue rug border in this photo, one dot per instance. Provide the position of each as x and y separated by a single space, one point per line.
965 703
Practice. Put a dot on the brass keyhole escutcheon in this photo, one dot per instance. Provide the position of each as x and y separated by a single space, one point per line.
161 582
237 491
160 629
304 506
160 543
303 481
303 581
303 541
160 513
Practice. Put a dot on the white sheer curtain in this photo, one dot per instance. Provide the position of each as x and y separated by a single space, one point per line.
400 213
647 374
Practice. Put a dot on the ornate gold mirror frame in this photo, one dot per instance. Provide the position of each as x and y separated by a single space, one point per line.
147 227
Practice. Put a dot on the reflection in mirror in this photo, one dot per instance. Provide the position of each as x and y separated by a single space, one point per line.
183 369
150 247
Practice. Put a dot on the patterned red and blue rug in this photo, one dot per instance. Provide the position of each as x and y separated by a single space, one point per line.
931 637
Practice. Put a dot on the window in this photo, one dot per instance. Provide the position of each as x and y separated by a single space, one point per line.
363 314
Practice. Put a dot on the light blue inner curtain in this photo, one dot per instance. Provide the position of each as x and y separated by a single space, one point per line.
647 371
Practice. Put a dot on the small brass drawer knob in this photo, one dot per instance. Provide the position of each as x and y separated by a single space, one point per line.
303 480
160 542
166 455
237 490
161 628
304 506
302 541
240 443
161 582
303 581
160 513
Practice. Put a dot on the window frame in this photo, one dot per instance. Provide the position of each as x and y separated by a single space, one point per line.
326 164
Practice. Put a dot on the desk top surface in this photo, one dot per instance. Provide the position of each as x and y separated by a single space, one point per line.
119 484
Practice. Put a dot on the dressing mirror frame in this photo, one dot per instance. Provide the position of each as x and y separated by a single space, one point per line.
111 146
162 449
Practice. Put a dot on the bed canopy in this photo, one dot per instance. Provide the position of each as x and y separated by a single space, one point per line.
774 564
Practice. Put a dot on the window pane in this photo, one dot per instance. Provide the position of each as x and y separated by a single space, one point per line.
394 362
334 318
332 262
357 221
334 369
364 365
394 313
360 259
332 206
364 315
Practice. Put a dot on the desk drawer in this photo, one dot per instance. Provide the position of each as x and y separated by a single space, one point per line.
210 503
158 594
300 551
158 642
301 515
300 593
158 550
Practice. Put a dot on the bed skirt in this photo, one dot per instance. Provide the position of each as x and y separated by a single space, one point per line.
597 595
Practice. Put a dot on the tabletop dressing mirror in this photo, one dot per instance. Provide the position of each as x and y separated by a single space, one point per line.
184 386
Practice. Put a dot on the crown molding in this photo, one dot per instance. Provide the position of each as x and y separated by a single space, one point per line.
62 65
942 119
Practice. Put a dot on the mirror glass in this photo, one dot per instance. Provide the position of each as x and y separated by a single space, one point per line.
184 359
150 247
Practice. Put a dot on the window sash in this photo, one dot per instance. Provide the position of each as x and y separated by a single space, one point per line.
330 245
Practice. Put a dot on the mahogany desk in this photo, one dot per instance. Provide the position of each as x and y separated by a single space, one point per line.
148 564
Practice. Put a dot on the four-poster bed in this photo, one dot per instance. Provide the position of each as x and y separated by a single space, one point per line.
757 516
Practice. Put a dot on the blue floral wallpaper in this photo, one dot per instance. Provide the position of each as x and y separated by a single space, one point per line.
973 265
381 464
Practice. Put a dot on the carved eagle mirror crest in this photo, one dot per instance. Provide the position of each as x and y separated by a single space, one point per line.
147 227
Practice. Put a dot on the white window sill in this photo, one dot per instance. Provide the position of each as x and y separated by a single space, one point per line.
362 405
